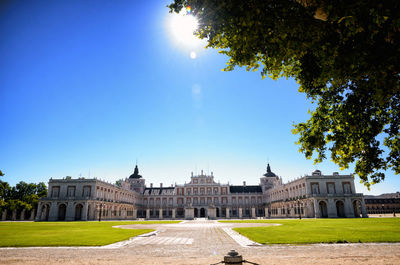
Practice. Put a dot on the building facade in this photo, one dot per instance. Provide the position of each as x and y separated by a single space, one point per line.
388 203
313 196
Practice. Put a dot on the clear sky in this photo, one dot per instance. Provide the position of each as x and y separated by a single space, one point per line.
89 87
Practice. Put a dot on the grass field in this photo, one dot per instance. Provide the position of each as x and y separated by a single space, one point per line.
25 234
308 231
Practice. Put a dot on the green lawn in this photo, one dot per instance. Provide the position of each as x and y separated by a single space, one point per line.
24 234
308 231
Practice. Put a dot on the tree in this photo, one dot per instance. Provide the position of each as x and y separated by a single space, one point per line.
4 191
1 173
22 196
345 57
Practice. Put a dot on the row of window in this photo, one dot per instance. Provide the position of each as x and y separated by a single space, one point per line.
71 191
202 200
202 191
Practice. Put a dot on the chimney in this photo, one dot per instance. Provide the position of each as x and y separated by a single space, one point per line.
244 183
151 185
160 185
202 172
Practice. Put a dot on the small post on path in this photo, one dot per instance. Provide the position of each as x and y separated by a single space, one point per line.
233 258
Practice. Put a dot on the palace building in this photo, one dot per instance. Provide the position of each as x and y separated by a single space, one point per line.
311 196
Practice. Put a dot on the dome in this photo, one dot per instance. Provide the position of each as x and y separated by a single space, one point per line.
270 173
135 174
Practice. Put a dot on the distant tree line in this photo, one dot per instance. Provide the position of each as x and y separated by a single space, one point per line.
23 197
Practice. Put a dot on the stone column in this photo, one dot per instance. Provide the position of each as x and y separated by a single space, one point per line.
240 213
348 208
228 213
92 212
14 215
134 213
331 208
363 209
70 212
189 213
4 215
110 212
32 217
53 214
173 213
212 213
316 209
38 216
253 212
160 215
84 212
22 215
266 212
147 213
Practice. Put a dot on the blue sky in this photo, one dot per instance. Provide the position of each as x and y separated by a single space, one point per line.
88 87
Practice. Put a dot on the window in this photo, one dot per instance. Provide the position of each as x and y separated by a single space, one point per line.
86 191
330 187
346 188
71 191
55 192
315 188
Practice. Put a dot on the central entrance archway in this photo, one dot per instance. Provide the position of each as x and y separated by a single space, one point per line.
61 212
323 209
340 209
196 212
202 212
78 212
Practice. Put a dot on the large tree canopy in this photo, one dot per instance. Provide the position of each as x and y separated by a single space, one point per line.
345 55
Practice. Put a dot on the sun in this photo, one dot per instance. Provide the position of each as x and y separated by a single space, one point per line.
181 27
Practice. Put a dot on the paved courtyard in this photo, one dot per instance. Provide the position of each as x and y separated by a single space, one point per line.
202 242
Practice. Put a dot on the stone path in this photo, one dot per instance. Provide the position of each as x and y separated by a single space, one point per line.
202 242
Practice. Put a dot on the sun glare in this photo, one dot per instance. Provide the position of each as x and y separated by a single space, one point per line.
181 27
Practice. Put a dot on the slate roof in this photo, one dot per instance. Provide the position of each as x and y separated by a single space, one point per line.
382 200
245 189
157 190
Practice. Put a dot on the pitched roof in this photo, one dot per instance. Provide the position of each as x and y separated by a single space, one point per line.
245 189
157 190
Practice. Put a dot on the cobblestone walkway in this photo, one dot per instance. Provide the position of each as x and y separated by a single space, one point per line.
202 242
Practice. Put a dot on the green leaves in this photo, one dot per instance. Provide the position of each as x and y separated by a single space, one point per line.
22 196
344 55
